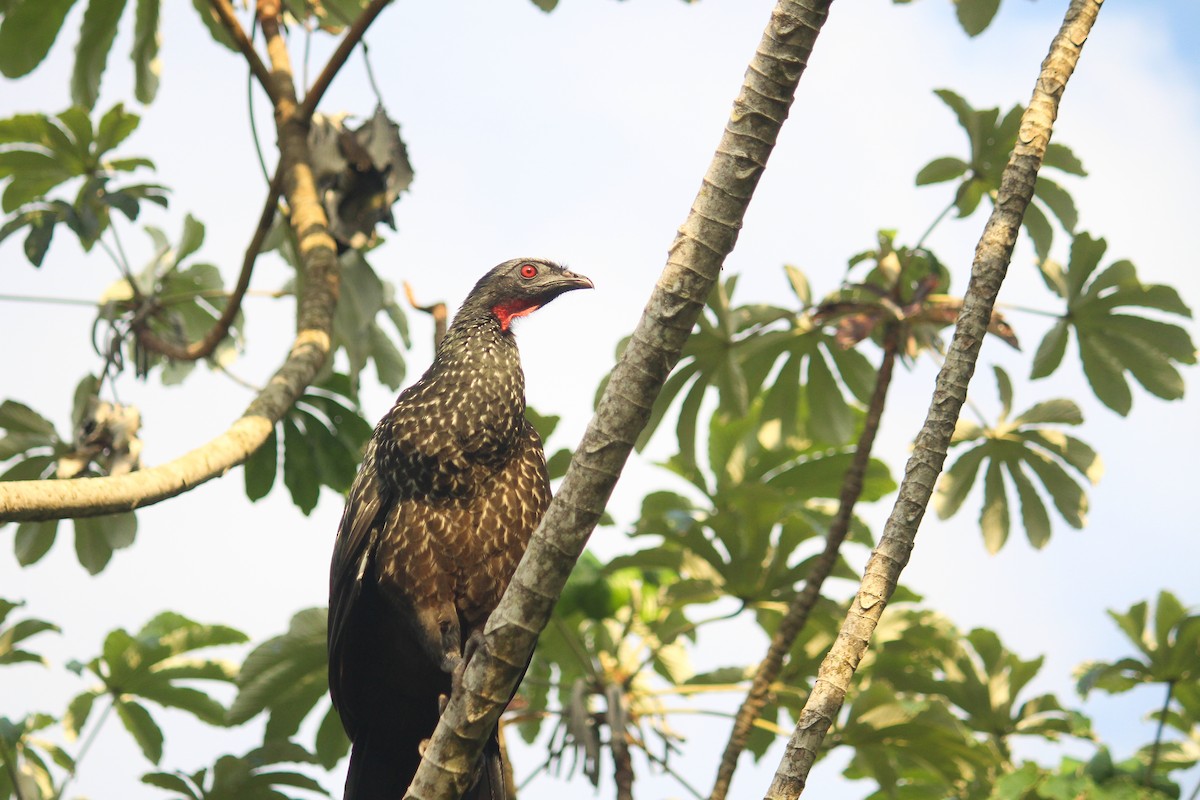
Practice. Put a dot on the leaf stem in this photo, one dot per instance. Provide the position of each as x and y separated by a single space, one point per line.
937 220
1158 736
86 746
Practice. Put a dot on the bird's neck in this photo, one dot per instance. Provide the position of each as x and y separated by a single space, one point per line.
483 357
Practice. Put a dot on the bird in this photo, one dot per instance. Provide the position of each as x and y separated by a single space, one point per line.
452 484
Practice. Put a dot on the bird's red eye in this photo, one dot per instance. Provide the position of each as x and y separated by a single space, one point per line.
528 271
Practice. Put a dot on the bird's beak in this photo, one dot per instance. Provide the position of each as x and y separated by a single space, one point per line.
567 281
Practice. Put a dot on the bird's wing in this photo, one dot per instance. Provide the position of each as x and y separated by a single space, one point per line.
357 537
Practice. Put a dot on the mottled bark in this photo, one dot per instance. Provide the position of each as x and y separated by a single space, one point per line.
802 604
992 256
693 266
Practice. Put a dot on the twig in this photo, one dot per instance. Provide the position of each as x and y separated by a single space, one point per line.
205 347
86 746
937 220
992 256
802 604
437 311
1162 722
343 51
225 15
694 262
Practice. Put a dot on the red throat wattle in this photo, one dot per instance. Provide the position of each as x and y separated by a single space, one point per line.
509 310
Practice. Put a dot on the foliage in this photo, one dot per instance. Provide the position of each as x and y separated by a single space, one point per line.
39 153
1021 446
763 403
991 139
1110 343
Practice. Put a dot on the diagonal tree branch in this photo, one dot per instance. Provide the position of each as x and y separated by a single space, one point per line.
693 266
336 61
805 600
992 256
81 497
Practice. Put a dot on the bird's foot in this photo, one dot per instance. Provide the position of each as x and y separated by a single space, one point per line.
473 644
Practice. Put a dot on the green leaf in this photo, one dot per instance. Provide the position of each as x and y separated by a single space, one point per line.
141 725
1068 498
1076 453
830 418
146 63
91 54
940 170
993 519
1086 253
34 540
260 468
299 469
799 283
1050 352
38 242
91 545
78 712
976 15
27 32
1149 367
332 744
1033 511
1039 230
957 481
1059 411
115 127
19 418
1005 388
215 28
1059 156
1059 201
1105 374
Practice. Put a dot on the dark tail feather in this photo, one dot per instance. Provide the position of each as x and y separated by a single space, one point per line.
381 768
490 783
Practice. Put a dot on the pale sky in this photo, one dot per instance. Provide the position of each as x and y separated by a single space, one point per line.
582 136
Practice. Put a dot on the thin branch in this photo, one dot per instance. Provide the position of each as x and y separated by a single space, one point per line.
802 604
1158 736
343 51
87 745
205 347
665 767
83 497
694 262
436 310
225 15
992 256
937 221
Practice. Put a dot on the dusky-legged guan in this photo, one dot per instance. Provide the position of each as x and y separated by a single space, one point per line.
453 483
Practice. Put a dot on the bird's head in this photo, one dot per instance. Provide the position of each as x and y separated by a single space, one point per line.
521 286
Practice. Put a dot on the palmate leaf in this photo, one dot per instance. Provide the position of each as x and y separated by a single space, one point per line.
156 665
323 436
45 151
1169 646
1113 345
14 634
735 349
991 138
253 776
287 677
1022 448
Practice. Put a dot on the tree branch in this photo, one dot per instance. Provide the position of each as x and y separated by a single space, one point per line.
693 266
805 600
195 351
992 256
83 497
223 11
338 59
